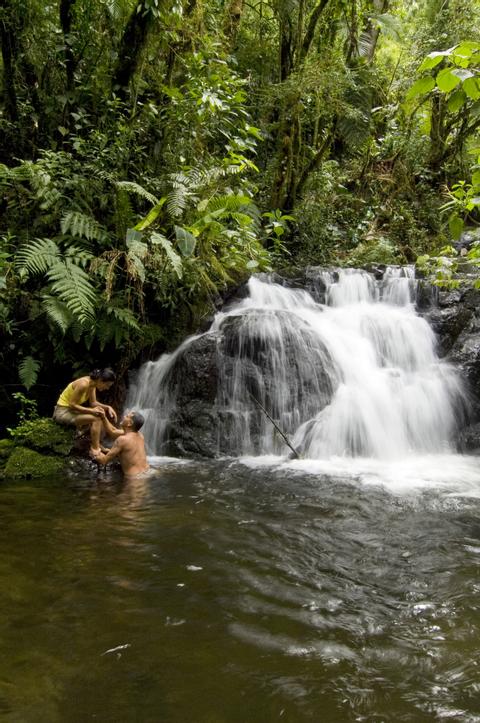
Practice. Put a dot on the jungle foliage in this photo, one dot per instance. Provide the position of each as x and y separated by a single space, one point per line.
155 152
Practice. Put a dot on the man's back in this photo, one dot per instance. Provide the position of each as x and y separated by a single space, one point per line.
132 453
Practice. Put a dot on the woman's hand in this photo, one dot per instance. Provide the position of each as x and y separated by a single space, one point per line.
111 413
98 412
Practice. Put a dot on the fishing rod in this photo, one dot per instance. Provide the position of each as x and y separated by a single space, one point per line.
282 434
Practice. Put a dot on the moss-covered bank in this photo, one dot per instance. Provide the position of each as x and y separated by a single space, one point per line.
37 448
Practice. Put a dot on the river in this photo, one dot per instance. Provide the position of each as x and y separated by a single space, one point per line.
244 590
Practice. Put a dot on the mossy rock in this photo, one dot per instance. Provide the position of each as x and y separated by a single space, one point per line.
6 448
44 435
27 464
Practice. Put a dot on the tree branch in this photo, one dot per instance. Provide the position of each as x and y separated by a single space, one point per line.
312 25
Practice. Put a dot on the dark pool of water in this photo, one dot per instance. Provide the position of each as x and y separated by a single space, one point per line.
216 593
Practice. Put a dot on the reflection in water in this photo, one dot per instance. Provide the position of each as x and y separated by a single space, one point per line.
226 592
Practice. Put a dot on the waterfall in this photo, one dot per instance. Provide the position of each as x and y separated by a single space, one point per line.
349 369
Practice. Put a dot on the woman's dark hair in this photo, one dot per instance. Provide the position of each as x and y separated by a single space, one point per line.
103 375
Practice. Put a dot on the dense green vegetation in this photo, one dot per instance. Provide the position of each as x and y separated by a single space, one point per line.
156 152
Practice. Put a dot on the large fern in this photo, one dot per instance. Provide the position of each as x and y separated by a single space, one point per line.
135 188
37 256
73 286
57 312
172 256
81 225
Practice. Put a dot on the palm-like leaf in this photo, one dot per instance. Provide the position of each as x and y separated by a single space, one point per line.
72 285
28 371
138 190
37 256
81 225
57 312
172 256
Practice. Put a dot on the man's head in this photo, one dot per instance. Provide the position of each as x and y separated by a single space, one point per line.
132 422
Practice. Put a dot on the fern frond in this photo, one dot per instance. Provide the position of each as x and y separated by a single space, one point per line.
135 266
125 316
132 187
57 312
80 225
172 256
229 202
79 255
177 201
73 286
242 219
37 256
23 172
28 371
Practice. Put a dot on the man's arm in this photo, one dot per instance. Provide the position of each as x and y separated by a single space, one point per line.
113 432
104 459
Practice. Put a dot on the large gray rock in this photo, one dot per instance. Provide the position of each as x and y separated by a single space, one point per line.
235 363
193 424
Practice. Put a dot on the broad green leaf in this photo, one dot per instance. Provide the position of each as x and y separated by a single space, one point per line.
253 131
470 86
151 216
186 241
421 86
463 73
466 49
455 224
446 80
133 235
252 264
431 61
422 260
456 101
476 178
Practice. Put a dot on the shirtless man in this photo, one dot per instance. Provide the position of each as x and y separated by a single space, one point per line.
129 446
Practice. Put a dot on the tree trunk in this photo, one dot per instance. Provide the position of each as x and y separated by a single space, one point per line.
131 45
233 17
437 134
66 19
372 32
9 57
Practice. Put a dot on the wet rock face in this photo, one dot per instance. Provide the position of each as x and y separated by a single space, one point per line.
193 424
236 362
455 318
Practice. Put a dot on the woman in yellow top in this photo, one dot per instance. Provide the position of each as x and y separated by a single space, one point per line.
71 411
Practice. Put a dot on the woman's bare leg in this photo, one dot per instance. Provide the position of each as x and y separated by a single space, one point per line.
95 423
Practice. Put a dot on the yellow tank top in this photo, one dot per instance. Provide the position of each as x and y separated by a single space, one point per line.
65 398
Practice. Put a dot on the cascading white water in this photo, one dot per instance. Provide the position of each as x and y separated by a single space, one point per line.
355 376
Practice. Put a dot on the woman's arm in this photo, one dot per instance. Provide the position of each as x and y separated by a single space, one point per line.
78 390
92 397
